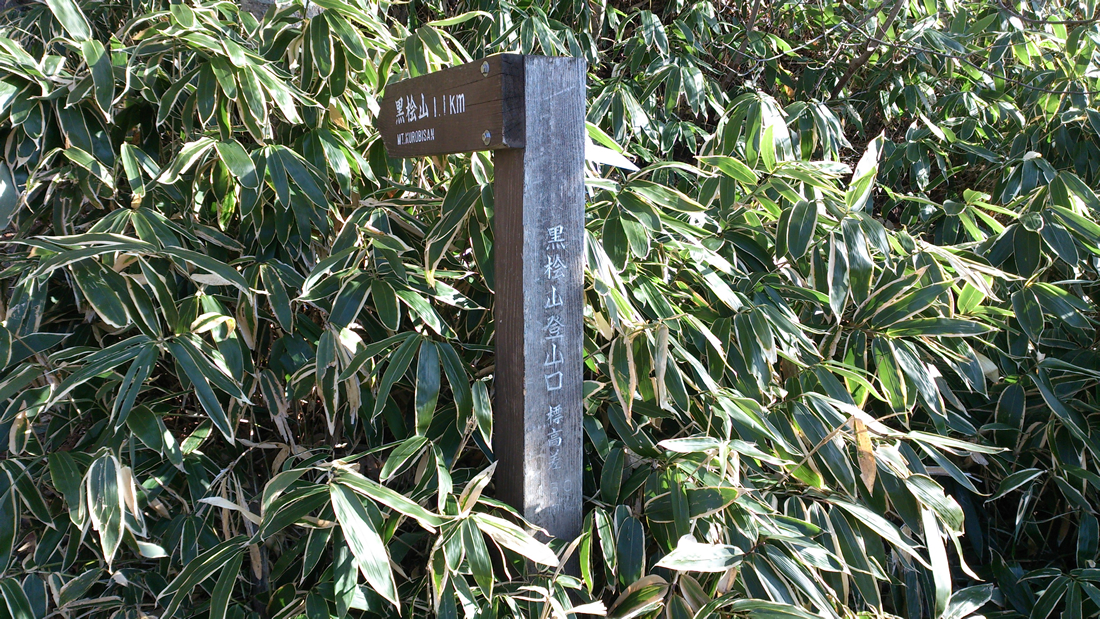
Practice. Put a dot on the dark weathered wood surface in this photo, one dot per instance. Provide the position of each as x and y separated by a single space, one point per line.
475 106
539 232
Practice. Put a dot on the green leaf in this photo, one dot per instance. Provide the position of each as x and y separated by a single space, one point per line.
303 176
223 588
353 294
641 598
91 164
1016 480
859 260
427 385
105 503
223 73
664 197
1028 312
321 46
691 444
884 528
965 602
187 157
76 588
289 509
19 605
399 361
767 148
898 308
103 76
385 303
800 229
224 275
254 111
390 498
863 178
611 477
630 546
692 556
9 518
733 168
345 574
104 290
238 162
9 196
937 327
424 310
457 378
459 19
932 496
365 543
456 208
1050 598
67 480
316 606
150 429
29 492
514 538
838 278
401 456
140 370
1070 417
277 297
72 19
483 411
477 554
349 36
199 569
206 396
1027 249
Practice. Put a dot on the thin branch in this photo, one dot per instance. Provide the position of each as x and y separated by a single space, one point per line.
866 55
749 25
1052 22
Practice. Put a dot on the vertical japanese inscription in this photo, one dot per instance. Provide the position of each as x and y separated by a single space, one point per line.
539 310
554 365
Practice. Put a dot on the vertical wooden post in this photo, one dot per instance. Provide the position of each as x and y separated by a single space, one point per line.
539 248
530 110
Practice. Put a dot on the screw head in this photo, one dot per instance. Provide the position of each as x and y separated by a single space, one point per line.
485 137
485 68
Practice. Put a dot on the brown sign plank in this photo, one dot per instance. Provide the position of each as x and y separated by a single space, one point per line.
475 106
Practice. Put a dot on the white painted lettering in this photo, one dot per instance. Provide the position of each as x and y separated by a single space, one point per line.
554 299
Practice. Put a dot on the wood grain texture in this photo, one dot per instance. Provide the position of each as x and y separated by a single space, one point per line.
539 232
451 110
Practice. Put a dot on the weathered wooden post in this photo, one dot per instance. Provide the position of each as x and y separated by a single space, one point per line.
531 110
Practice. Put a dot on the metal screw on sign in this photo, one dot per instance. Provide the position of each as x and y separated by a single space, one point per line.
530 110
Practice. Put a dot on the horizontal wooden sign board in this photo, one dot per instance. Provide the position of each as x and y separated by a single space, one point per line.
475 106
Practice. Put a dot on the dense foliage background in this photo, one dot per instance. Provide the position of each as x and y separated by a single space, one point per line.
841 342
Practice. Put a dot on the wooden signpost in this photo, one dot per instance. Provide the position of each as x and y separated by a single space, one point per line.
530 109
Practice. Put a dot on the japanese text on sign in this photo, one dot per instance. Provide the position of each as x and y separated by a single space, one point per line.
553 334
412 108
